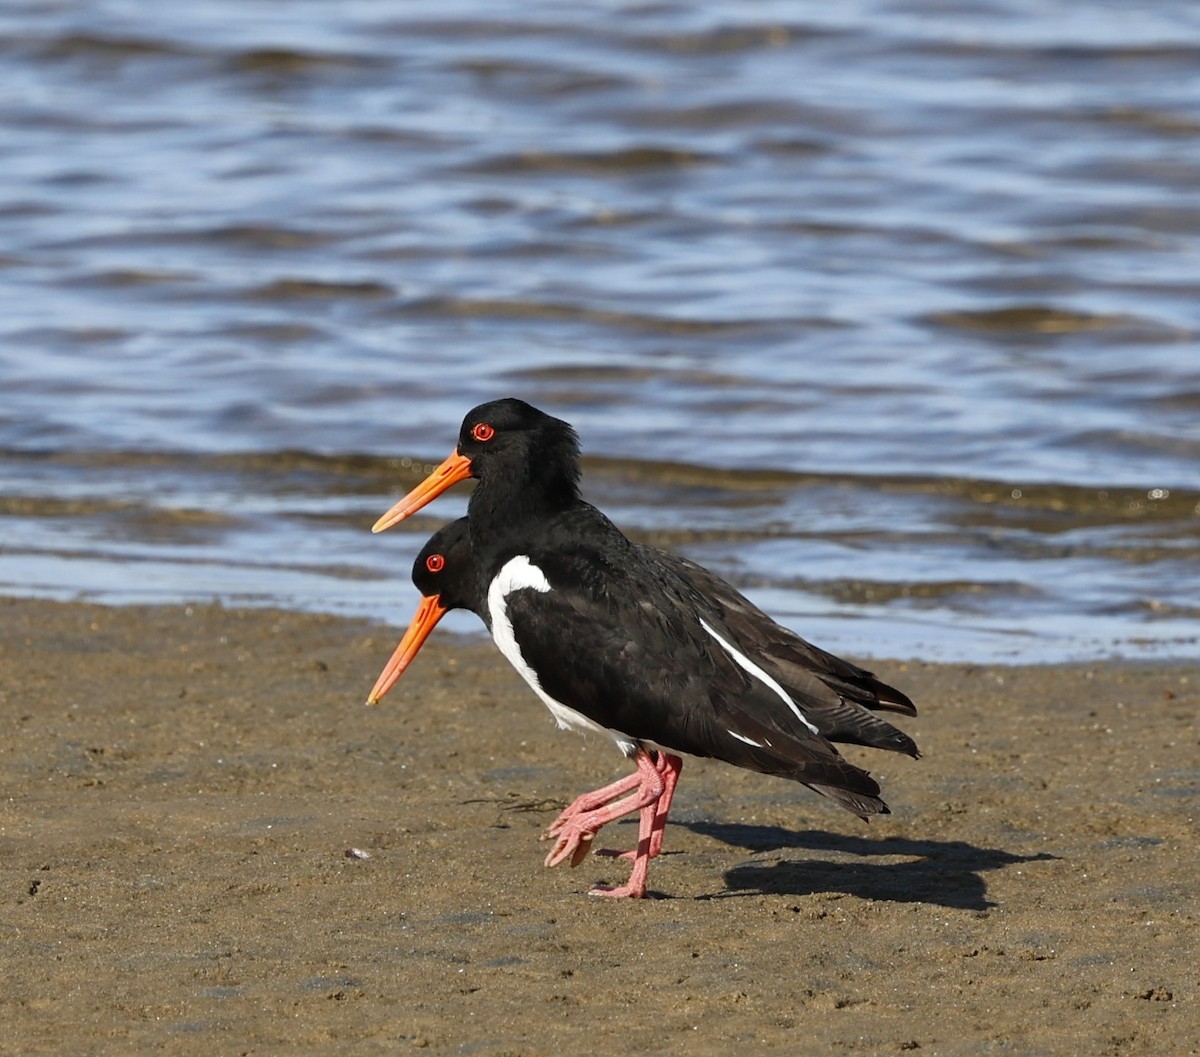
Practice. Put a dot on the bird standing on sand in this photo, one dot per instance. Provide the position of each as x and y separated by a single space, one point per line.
642 646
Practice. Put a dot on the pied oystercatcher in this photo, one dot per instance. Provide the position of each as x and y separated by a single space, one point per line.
652 650
444 573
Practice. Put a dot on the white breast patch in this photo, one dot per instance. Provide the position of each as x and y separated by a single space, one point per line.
520 574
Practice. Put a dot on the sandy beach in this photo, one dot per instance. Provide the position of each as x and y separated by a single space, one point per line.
210 845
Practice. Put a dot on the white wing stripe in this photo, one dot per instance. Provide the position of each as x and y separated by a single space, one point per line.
744 662
742 737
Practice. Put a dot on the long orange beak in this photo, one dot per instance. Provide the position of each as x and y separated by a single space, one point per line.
456 468
429 612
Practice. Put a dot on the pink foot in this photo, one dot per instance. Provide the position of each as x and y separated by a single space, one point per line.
572 844
589 802
655 780
574 837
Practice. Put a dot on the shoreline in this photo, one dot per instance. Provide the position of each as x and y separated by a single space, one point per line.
183 784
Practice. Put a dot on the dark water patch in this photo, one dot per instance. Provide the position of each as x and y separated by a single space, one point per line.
1015 284
965 595
1053 508
89 126
1160 122
262 237
1130 172
40 507
1020 321
1131 553
389 136
731 116
1188 400
825 229
1157 609
727 39
267 462
684 475
1057 58
620 162
610 216
478 26
27 208
790 146
1090 238
101 47
77 178
1162 219
313 289
548 249
587 374
577 313
80 335
287 62
290 333
538 80
136 277
259 236
1104 505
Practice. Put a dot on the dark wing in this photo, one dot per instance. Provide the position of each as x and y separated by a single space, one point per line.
835 694
618 640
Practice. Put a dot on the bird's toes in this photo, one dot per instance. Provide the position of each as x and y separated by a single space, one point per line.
573 846
627 891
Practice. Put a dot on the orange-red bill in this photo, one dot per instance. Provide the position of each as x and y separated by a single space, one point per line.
456 468
429 612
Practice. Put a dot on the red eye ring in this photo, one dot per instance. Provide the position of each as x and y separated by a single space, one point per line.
435 563
483 432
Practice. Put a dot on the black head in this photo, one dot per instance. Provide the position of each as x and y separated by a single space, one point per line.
446 568
526 463
514 440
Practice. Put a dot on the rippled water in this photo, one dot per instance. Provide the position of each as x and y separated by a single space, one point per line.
888 311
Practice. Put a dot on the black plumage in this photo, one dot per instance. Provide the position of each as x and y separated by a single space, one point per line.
650 647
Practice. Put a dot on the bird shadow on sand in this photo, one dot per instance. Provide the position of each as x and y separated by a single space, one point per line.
944 873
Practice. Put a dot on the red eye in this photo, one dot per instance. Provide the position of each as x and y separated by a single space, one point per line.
483 432
435 563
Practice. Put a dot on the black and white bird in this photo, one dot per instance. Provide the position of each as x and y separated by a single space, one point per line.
444 573
642 646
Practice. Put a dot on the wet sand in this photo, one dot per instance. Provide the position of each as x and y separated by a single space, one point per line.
182 786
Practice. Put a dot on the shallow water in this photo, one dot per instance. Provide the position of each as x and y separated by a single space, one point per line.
887 311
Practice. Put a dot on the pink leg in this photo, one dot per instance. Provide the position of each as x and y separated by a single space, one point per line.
672 767
635 887
669 767
581 805
574 837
